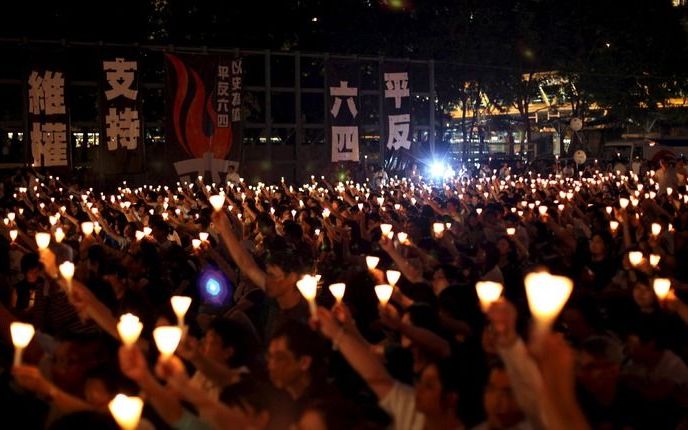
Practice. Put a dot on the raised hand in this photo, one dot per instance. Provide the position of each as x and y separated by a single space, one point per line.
133 364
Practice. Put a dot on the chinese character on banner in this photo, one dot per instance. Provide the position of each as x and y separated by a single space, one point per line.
343 109
397 107
120 105
236 86
47 118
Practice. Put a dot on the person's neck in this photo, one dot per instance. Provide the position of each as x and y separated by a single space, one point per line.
446 421
289 299
299 387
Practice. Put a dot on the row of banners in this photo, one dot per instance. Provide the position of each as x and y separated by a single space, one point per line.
204 111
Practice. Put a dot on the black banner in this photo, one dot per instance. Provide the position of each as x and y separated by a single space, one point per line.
343 108
397 106
121 140
48 119
203 111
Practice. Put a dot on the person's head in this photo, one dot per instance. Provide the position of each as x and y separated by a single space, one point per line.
283 268
101 386
265 225
598 245
646 341
501 407
599 364
643 294
293 357
160 229
31 267
438 389
226 342
255 399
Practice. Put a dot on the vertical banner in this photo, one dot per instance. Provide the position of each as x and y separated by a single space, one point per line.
203 111
343 80
397 106
48 120
122 142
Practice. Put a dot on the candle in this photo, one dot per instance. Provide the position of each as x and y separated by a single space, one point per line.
510 231
337 291
67 272
14 234
196 243
384 293
654 260
609 210
386 228
360 206
623 202
488 293
402 237
656 229
393 277
479 211
635 257
22 334
140 235
42 240
147 231
217 201
613 225
87 228
547 295
308 287
11 216
126 411
542 210
203 236
129 328
180 305
325 213
97 228
438 229
661 287
167 339
380 201
371 262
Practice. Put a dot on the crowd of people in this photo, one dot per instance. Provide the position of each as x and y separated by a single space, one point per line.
333 305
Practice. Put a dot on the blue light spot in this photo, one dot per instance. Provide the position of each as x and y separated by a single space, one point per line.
213 287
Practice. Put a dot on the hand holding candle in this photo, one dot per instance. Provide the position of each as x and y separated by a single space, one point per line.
129 328
337 291
308 287
384 293
661 286
217 201
67 272
547 295
180 305
167 339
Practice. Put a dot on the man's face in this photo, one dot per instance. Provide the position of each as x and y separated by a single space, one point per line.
429 398
284 367
596 374
500 405
278 282
213 349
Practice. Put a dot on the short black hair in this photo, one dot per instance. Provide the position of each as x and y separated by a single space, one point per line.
301 341
30 261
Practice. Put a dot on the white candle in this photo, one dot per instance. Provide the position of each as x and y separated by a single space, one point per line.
167 339
22 334
613 225
67 272
42 240
203 236
488 293
656 229
661 287
337 291
623 202
384 293
87 228
654 260
180 305
385 228
217 201
13 234
129 328
126 411
547 295
510 231
140 235
635 258
147 231
393 277
402 237
308 287
372 261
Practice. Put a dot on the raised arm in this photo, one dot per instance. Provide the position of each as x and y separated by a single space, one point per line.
240 255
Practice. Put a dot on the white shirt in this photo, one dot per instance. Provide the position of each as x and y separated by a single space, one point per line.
400 403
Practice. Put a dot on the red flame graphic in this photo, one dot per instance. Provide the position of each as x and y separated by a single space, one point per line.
195 121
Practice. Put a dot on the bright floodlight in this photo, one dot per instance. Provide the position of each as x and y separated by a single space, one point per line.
437 169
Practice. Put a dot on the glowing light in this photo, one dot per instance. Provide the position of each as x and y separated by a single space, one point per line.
547 295
488 293
180 305
167 339
372 261
384 293
22 334
42 240
129 329
126 411
393 277
661 287
338 290
635 258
